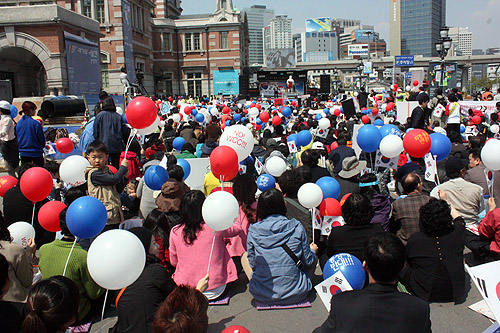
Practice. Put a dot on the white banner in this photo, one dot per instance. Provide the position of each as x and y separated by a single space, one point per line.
487 281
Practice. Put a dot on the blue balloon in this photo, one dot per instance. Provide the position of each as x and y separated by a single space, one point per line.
243 119
341 110
125 118
200 117
349 265
326 111
237 117
462 129
155 176
389 129
330 187
304 138
364 111
368 138
318 116
178 143
266 182
194 112
186 167
378 122
13 111
334 100
409 129
287 112
258 121
86 217
292 137
440 146
227 122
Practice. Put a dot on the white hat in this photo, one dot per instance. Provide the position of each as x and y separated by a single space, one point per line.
5 105
317 145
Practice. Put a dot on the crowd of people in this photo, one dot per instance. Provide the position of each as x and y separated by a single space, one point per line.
410 233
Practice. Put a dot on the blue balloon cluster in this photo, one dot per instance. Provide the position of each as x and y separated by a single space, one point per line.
186 167
86 217
155 176
266 182
369 138
178 143
330 187
349 265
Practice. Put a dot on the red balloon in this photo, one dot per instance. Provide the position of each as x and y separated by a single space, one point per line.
6 183
258 106
330 207
36 184
344 198
252 105
417 143
334 145
276 120
264 116
194 107
48 215
374 111
187 110
395 87
226 110
235 328
336 112
112 169
65 145
476 120
390 106
170 99
224 162
141 112
415 83
365 119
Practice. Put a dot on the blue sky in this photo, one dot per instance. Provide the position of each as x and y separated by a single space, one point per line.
481 16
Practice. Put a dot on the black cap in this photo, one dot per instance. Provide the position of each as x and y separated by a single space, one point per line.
454 164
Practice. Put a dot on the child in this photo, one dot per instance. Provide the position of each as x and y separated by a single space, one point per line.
129 200
103 184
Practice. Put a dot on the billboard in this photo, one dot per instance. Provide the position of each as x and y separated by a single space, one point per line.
363 35
280 58
226 82
367 67
357 50
82 61
128 46
319 24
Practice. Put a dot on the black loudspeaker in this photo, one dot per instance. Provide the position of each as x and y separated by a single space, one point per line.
349 109
325 84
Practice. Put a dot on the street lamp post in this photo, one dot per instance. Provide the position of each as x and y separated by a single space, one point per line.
360 68
442 47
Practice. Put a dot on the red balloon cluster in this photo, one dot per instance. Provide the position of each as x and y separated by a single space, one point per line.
365 119
330 207
6 183
48 215
36 183
417 143
141 112
276 120
224 162
65 145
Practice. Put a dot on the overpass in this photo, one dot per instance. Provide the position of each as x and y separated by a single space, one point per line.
388 62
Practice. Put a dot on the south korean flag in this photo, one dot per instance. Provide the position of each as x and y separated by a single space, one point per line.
385 162
335 284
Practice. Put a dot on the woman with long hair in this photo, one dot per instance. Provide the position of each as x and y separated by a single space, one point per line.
52 306
157 221
190 248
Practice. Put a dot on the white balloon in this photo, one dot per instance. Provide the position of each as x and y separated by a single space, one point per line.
239 138
310 195
253 111
356 94
324 123
275 166
119 110
494 128
239 105
219 210
162 123
391 146
490 155
176 117
72 170
21 232
150 129
214 111
116 259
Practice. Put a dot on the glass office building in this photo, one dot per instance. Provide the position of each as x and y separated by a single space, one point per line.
421 21
258 17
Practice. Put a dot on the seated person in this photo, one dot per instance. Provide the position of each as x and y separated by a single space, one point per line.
130 202
53 257
490 229
11 313
379 307
435 270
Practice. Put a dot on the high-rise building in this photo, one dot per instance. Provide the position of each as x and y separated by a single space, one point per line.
258 16
415 26
462 39
362 34
278 34
316 46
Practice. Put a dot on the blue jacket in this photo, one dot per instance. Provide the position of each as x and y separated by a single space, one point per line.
87 136
30 137
276 279
109 128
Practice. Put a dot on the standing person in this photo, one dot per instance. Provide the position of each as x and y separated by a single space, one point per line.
418 116
30 136
110 129
379 307
453 114
277 278
8 142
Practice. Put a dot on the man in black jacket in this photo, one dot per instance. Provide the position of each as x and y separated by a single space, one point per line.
379 307
419 117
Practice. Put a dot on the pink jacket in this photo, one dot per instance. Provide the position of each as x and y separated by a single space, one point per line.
191 260
237 245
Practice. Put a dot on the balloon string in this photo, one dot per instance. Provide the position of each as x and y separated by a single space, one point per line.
211 251
103 308
69 255
312 221
129 141
33 214
222 183
437 174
